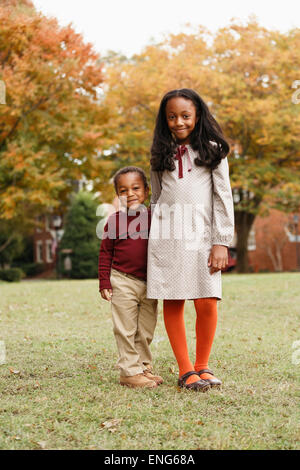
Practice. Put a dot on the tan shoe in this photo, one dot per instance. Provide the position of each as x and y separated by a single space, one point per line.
137 381
156 378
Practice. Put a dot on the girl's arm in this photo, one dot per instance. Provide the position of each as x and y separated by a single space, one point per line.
223 212
155 181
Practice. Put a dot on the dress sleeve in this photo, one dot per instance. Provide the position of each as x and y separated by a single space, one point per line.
223 212
155 181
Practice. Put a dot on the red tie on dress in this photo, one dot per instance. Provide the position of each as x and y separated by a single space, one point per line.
180 152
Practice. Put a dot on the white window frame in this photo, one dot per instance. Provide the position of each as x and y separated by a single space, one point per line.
251 240
39 251
49 257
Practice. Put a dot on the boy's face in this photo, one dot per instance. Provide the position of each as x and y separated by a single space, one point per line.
131 190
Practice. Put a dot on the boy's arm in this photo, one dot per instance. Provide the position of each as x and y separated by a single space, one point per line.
105 260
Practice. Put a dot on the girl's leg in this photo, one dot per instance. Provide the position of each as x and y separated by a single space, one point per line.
206 323
174 323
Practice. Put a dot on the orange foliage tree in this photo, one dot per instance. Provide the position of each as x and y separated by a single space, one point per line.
50 126
245 73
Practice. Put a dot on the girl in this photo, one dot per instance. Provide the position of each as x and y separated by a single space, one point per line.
192 226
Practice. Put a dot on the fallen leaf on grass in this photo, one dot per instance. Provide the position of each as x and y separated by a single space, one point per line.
172 370
42 444
37 385
14 371
92 367
60 315
111 425
40 399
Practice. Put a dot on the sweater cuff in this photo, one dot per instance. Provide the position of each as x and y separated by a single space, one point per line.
104 284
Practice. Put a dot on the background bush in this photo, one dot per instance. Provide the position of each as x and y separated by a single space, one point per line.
80 236
11 275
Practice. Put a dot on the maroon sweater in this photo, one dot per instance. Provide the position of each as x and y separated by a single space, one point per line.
124 246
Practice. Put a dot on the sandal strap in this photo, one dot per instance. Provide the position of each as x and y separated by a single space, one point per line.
205 371
187 375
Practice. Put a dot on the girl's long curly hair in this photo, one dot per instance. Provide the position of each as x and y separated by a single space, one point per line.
207 137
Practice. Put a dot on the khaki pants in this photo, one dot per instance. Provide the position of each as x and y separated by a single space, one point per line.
134 319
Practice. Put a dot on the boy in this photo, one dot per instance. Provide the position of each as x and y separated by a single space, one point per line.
122 279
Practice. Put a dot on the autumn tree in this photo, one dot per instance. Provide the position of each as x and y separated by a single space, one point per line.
255 70
50 126
245 74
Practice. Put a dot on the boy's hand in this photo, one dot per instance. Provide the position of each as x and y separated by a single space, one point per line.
106 294
218 258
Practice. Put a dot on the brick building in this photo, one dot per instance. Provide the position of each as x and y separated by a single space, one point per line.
47 233
274 242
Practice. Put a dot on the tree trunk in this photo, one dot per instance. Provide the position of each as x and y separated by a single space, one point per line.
7 242
243 223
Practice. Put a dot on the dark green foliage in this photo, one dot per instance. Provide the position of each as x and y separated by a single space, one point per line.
30 269
11 242
80 236
27 254
11 275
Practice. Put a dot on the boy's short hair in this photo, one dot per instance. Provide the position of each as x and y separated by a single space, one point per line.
130 169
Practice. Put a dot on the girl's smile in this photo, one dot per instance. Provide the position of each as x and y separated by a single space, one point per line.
181 118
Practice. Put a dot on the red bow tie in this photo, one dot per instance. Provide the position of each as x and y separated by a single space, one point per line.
180 152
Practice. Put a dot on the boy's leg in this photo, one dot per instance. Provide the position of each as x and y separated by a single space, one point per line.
124 305
146 326
147 319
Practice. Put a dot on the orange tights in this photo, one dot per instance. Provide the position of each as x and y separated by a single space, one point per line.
206 323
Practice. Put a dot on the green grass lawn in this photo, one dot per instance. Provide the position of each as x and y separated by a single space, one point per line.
59 386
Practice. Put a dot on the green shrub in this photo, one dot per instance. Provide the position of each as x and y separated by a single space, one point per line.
30 269
11 275
80 236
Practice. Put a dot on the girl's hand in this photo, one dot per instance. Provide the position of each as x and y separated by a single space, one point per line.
106 294
218 258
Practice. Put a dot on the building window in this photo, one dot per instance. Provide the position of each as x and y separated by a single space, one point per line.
39 251
251 240
49 257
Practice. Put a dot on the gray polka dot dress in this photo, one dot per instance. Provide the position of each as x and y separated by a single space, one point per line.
191 213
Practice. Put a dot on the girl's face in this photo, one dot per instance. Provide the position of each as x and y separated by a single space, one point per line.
181 115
